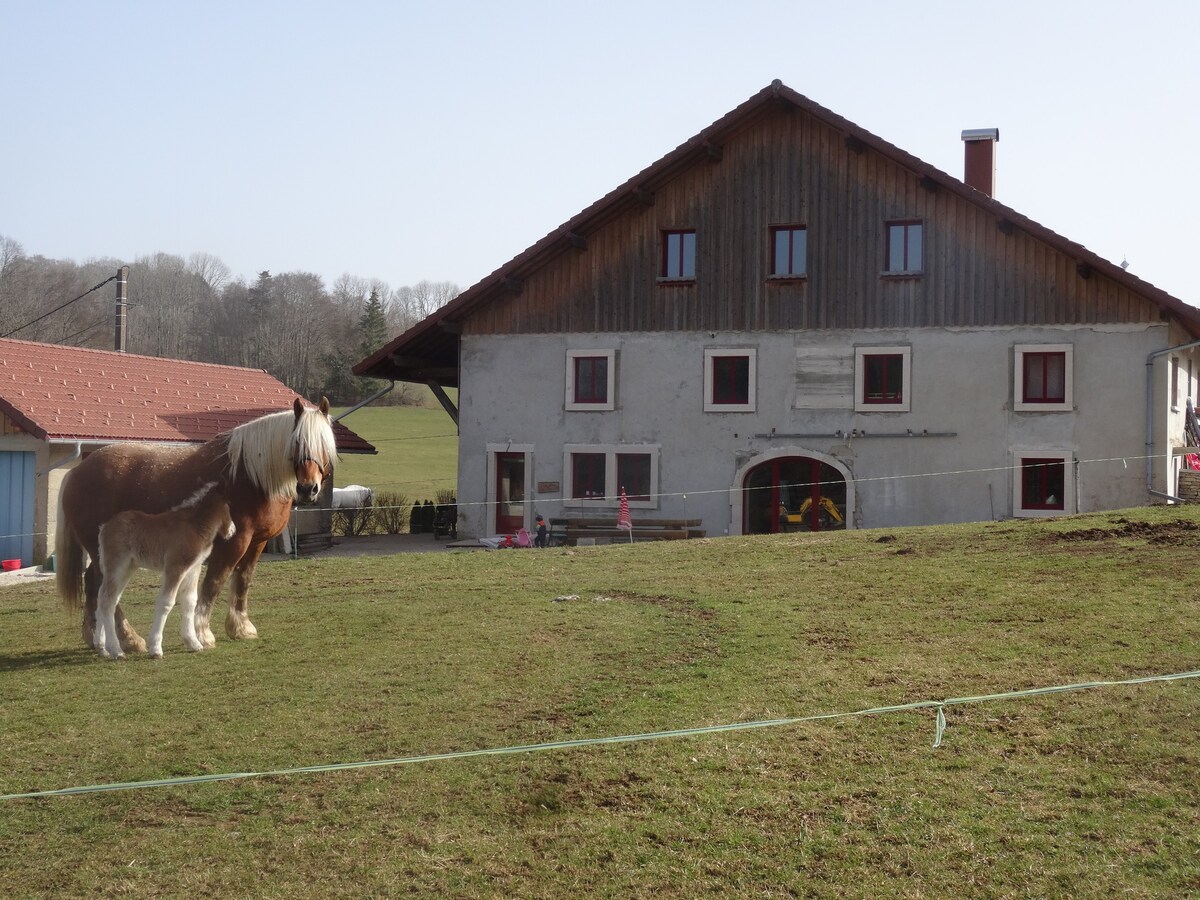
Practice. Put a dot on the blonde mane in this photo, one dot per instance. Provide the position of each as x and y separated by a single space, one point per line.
268 449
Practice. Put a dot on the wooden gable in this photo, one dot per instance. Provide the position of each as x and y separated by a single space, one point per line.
787 167
778 159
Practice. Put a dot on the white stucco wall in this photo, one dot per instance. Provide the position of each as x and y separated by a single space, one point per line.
513 392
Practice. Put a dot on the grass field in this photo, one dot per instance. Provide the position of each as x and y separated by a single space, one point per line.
1082 794
418 451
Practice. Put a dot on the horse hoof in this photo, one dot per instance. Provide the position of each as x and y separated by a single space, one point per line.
138 646
240 628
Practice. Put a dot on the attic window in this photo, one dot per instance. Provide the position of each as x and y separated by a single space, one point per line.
678 256
789 251
904 251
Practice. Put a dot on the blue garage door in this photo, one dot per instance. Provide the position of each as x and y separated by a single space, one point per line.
16 506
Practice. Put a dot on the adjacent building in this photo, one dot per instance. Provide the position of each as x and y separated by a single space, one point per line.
57 404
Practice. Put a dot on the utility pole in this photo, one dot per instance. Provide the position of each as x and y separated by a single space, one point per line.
122 302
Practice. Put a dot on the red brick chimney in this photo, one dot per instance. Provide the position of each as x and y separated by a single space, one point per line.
980 158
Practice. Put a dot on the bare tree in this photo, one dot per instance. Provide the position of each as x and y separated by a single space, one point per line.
211 270
49 300
166 301
305 315
421 300
10 252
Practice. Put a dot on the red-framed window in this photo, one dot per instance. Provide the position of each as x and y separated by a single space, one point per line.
730 380
1045 377
883 378
634 474
905 240
591 379
594 474
587 476
678 255
1043 483
789 251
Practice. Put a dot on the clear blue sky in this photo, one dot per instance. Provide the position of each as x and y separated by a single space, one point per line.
409 141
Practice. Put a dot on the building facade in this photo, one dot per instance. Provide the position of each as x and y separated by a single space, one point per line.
789 324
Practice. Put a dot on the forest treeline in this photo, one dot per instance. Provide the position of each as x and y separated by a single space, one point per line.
291 324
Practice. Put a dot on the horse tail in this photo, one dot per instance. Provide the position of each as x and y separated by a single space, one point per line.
68 559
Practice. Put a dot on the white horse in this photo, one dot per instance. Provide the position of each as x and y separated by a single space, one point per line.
352 495
176 543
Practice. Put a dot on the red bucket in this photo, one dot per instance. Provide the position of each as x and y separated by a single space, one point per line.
10 565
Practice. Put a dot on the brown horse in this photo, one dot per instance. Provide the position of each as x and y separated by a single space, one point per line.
176 543
260 467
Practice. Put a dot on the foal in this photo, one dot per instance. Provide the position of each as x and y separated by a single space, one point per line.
176 543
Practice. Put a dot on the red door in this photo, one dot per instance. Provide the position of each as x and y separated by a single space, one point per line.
510 492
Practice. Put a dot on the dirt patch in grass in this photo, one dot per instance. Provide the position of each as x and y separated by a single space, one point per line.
1181 532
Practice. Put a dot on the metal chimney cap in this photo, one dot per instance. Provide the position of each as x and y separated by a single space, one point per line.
981 134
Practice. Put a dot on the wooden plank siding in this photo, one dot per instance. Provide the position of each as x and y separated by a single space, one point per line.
788 167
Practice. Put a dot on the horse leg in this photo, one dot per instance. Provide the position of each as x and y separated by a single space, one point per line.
106 641
163 604
220 564
91 590
131 641
187 609
237 620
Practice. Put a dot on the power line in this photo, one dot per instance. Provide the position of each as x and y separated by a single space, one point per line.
57 309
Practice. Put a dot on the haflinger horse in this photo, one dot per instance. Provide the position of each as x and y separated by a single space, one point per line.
176 543
260 467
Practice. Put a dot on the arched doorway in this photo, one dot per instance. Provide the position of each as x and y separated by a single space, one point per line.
793 493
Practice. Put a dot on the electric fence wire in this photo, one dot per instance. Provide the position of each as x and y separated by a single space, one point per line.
614 498
938 706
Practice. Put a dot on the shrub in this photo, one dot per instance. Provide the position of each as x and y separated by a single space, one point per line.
392 513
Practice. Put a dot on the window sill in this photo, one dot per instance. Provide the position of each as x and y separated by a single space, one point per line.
589 407
673 282
1043 408
787 279
882 408
900 276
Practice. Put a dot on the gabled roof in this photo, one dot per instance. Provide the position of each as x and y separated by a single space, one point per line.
74 394
429 350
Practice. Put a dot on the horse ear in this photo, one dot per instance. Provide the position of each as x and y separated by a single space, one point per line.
298 409
325 405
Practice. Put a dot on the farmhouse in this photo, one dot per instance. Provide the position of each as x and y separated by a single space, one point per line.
57 404
787 323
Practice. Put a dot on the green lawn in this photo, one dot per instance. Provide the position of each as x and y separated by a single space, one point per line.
418 451
1082 794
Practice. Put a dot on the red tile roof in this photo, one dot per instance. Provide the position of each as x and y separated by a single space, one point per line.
72 393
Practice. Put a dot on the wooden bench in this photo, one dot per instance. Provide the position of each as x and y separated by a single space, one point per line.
643 529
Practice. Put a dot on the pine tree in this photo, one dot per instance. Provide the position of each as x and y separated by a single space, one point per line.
372 334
